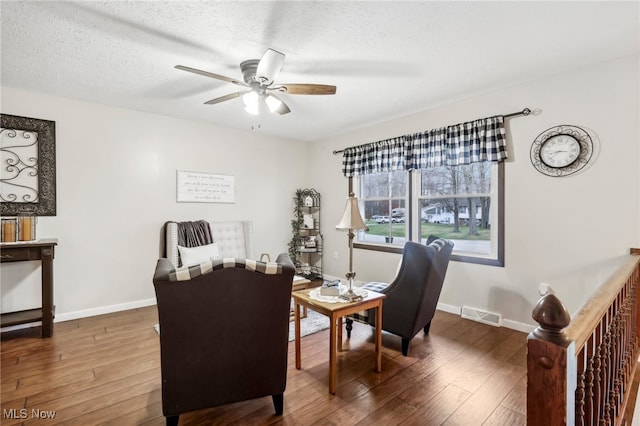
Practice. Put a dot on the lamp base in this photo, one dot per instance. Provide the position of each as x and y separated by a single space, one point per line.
351 296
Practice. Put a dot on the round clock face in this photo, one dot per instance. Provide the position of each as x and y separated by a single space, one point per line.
561 150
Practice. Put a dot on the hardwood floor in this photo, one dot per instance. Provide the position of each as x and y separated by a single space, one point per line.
106 370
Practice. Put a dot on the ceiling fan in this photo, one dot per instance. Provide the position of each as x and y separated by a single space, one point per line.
260 87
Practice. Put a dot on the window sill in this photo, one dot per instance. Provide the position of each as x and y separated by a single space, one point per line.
454 257
388 248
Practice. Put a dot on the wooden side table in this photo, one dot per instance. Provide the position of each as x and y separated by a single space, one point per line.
42 250
335 312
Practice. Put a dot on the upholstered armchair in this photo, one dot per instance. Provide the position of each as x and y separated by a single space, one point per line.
225 239
224 328
413 295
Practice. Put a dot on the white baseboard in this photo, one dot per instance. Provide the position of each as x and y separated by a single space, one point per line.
21 326
456 310
518 326
87 313
104 310
510 324
452 309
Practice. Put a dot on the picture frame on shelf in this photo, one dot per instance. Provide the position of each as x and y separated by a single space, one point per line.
307 221
310 242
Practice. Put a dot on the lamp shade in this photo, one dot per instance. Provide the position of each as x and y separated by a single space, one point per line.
352 219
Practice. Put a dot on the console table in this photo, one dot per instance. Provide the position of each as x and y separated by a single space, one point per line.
42 250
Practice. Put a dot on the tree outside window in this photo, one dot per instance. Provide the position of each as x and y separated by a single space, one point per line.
453 202
383 196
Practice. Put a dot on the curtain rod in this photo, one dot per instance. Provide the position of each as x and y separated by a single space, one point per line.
525 112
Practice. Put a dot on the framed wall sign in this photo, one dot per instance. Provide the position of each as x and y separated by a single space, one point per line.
197 187
27 166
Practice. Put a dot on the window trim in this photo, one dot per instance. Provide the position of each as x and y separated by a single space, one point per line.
410 201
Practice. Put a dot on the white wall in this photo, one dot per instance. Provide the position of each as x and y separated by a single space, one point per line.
116 174
116 186
554 226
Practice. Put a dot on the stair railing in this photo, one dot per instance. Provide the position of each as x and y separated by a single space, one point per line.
580 370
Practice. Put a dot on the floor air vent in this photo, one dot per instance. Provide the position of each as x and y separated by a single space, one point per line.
481 316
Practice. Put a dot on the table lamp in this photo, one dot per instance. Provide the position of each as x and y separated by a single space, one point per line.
351 221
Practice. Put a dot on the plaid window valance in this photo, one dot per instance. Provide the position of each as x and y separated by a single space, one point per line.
383 156
471 142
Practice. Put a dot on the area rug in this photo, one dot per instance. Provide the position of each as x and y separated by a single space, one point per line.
313 323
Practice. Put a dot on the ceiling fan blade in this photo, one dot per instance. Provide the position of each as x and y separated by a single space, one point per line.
308 89
210 74
282 108
226 97
269 66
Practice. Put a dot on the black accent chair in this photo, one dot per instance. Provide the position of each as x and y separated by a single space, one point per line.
413 295
223 333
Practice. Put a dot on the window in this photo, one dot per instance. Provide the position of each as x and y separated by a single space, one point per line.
383 197
460 203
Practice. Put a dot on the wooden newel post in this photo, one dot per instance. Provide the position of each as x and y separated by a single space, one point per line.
549 352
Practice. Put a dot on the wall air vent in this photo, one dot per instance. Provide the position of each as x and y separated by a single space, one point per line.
479 315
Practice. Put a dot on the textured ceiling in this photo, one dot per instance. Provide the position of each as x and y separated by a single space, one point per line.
388 59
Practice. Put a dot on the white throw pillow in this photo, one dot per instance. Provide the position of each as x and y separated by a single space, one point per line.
196 255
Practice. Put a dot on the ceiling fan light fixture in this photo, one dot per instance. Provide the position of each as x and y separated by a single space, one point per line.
273 103
251 99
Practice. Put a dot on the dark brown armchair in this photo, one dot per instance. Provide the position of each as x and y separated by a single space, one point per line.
413 295
224 330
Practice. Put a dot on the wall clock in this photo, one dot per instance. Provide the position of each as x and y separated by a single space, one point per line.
561 150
